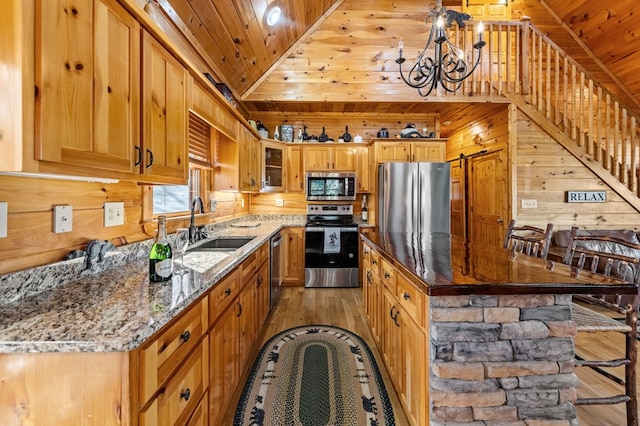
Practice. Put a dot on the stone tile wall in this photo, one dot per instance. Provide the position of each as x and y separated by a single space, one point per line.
502 360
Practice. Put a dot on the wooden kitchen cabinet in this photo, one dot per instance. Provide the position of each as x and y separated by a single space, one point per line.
363 170
224 341
87 78
404 150
371 291
159 358
397 314
204 104
164 114
323 158
181 394
295 169
274 166
293 252
249 160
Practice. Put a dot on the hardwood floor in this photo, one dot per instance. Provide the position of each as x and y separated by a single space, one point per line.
341 307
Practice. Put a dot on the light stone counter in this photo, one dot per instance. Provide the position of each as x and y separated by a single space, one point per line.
116 309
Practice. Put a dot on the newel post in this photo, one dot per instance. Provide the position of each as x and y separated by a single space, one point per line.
525 23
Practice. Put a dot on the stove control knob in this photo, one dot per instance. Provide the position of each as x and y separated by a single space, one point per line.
351 255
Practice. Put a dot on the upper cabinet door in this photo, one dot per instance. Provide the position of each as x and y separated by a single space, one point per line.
87 72
164 113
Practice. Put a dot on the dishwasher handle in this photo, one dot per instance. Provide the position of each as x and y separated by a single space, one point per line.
276 241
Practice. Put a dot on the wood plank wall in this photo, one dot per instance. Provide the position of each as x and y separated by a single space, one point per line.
545 171
30 239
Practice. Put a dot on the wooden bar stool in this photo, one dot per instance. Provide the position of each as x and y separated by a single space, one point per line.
528 239
622 265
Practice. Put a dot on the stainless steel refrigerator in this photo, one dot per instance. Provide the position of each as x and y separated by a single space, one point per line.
414 197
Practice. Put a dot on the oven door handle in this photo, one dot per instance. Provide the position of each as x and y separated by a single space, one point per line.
314 229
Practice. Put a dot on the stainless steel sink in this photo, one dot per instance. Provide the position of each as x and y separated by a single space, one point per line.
222 244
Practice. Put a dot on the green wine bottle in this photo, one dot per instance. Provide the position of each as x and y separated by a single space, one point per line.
161 257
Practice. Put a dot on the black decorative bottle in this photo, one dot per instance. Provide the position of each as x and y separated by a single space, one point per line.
160 256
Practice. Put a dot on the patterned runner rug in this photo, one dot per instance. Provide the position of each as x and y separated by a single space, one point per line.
315 375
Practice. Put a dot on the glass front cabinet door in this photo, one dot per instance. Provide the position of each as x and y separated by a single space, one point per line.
274 165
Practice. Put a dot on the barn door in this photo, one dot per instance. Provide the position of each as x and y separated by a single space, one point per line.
458 202
487 198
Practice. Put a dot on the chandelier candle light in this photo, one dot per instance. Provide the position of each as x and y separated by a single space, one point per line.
448 66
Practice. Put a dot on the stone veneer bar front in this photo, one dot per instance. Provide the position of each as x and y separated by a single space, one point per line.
500 329
502 358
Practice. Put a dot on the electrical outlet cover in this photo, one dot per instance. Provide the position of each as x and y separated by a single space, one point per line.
4 213
62 219
113 214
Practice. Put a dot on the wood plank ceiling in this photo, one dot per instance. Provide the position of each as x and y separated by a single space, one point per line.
338 55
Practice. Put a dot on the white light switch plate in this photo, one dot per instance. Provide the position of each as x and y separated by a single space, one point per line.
529 204
4 213
279 202
113 214
62 219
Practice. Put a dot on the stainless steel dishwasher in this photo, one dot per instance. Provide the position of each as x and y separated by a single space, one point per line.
276 269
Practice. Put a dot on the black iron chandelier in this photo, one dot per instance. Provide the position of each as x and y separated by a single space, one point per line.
448 67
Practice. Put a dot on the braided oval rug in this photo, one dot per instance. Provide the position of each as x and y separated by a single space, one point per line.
311 376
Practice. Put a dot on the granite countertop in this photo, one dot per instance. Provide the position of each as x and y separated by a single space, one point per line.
118 309
441 264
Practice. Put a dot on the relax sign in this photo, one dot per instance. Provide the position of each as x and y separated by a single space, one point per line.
586 196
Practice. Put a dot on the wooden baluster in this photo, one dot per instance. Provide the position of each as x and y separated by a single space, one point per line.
580 111
590 147
624 158
540 72
635 151
616 139
547 93
525 60
573 102
608 136
598 117
500 63
565 96
556 95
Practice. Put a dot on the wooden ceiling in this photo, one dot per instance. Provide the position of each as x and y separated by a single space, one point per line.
338 55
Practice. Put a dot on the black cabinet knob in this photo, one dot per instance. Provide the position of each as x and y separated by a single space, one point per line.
185 394
185 336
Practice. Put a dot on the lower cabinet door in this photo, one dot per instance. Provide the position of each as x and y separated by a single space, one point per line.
413 370
178 399
390 335
200 416
223 353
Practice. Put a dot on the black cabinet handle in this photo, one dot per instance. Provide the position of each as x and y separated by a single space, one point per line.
391 312
406 296
150 162
139 155
259 280
227 292
373 262
386 275
185 394
240 308
185 336
395 318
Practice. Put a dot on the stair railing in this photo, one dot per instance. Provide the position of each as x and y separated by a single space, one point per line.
520 59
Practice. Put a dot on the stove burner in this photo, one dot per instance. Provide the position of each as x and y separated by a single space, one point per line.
330 215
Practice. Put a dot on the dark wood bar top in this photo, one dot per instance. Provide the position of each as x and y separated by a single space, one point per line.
445 265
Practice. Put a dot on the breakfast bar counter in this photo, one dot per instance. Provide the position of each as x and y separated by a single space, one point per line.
445 265
475 335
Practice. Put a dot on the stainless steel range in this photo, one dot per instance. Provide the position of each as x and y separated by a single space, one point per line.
331 246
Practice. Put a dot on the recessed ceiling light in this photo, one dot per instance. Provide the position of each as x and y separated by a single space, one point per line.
273 15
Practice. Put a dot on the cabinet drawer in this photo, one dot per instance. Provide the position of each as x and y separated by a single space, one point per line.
262 253
411 299
249 267
222 295
374 262
160 358
179 398
388 275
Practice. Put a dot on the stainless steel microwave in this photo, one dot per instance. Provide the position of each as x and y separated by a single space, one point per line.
331 186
